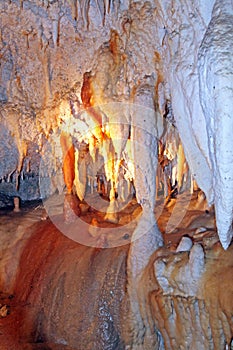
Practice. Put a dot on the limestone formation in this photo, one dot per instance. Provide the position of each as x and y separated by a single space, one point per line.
123 99
64 63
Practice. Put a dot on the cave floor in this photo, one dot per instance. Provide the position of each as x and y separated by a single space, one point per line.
183 216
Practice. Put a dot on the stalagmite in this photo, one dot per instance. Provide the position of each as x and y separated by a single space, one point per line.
16 204
144 141
146 238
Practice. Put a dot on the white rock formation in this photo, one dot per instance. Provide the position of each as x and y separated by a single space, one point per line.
183 32
184 245
47 47
145 126
194 50
173 57
184 280
216 91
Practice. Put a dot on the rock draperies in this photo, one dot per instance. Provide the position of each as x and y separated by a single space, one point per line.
174 41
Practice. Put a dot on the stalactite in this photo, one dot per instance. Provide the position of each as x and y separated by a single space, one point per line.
80 180
8 178
42 38
92 168
45 59
22 148
84 10
47 81
122 187
108 155
68 160
118 133
107 5
112 210
101 10
75 108
93 148
180 166
216 86
74 9
27 165
55 31
27 33
86 91
45 3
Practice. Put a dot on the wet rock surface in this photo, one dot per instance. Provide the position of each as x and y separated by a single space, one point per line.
70 294
59 294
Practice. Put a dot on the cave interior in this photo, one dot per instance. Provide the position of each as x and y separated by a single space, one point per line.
116 175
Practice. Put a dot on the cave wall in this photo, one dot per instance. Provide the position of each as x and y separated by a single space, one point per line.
78 65
60 296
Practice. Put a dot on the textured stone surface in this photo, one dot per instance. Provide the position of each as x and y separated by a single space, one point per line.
60 288
75 69
184 245
61 294
216 86
49 49
192 309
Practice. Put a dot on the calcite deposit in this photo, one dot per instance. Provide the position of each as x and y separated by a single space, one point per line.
65 63
105 102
